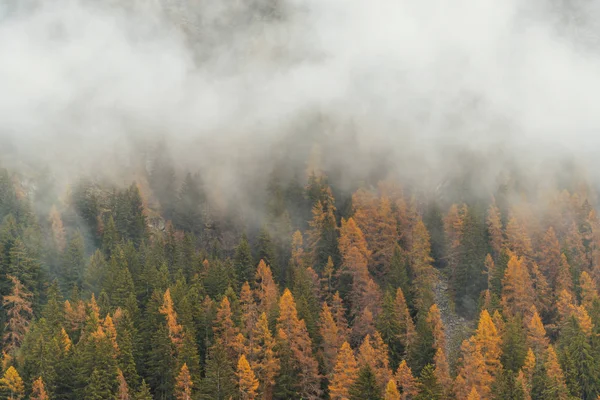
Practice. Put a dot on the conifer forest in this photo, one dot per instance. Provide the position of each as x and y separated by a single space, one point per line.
299 200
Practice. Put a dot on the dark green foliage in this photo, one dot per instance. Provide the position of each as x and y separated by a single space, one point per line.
24 266
265 249
399 273
143 393
163 182
365 387
243 263
581 368
514 345
429 388
73 263
219 380
189 204
390 328
305 291
160 365
506 387
422 352
87 208
469 280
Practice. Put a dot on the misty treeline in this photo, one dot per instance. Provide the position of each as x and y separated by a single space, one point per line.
164 289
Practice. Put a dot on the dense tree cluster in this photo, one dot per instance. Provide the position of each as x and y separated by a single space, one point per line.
381 293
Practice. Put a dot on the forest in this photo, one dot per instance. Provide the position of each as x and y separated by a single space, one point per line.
159 289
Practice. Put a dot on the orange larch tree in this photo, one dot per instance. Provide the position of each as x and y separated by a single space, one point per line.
423 272
168 310
183 384
488 341
374 353
517 290
344 373
266 290
543 292
298 341
454 223
557 387
564 278
339 315
473 372
331 338
123 391
517 239
264 361
407 326
548 255
434 319
536 333
225 330
38 390
407 383
442 372
248 309
19 313
247 382
589 293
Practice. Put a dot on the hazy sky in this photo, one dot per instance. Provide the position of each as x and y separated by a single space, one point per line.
78 80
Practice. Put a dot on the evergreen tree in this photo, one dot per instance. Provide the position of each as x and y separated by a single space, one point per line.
365 387
243 262
188 206
73 264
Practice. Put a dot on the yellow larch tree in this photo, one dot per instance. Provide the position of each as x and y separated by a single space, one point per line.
297 339
248 308
589 293
266 289
391 391
344 373
488 341
473 372
555 375
548 255
517 289
536 333
331 338
564 279
517 239
12 384
247 382
420 261
264 361
408 331
434 319
473 395
442 372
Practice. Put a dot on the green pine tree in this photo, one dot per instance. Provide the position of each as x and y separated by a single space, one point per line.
365 387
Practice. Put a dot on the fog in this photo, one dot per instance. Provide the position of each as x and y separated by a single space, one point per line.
226 84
